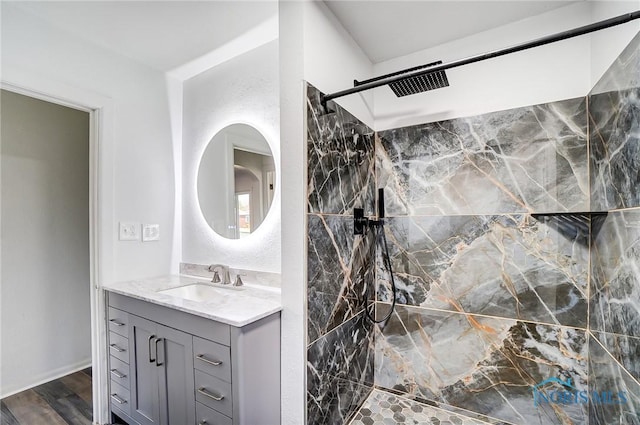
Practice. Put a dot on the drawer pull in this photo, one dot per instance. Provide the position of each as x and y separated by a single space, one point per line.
115 322
118 349
118 399
203 423
206 360
117 374
151 338
204 392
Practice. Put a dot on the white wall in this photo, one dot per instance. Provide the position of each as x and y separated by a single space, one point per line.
241 90
293 177
138 182
557 71
135 177
332 60
547 73
313 48
45 311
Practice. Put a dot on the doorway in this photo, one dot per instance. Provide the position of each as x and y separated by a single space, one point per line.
45 293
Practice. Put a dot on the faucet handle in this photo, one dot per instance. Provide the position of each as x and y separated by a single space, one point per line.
238 281
216 277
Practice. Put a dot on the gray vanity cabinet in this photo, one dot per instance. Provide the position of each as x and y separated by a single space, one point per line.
162 392
170 367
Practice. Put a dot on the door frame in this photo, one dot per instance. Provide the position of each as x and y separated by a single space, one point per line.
101 196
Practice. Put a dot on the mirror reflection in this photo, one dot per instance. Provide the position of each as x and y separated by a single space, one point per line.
236 181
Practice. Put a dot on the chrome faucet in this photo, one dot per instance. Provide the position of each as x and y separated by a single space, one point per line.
226 276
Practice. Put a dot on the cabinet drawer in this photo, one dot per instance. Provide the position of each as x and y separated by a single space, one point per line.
118 322
119 372
119 347
207 416
209 389
212 358
119 398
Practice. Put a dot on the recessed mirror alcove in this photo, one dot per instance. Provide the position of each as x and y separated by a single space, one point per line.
236 181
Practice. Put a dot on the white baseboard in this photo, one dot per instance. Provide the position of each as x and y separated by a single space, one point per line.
45 377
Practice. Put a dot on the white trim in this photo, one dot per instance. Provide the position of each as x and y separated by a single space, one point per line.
101 193
51 375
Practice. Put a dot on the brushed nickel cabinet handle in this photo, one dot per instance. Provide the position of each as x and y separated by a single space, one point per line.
118 374
118 399
115 322
206 360
204 392
118 349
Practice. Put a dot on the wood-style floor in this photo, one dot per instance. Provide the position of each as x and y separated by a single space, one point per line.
65 401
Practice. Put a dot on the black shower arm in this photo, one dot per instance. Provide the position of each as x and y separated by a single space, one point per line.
401 75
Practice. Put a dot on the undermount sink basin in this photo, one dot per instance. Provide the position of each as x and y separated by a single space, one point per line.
197 291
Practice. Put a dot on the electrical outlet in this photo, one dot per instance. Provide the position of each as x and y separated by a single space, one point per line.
129 231
150 232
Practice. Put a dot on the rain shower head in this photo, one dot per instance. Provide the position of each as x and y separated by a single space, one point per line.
420 83
415 84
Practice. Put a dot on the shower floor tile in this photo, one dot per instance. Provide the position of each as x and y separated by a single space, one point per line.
382 408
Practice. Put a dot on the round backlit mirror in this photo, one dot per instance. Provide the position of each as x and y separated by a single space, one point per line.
236 181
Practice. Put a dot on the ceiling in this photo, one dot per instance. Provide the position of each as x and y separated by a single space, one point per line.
395 28
166 35
162 34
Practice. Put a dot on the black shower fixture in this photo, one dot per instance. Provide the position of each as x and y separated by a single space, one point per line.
421 78
415 84
361 225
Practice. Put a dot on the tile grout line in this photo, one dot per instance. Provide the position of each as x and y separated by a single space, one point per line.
485 315
620 365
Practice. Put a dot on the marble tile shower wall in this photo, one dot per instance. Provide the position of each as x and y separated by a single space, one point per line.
340 346
614 320
497 291
493 283
515 241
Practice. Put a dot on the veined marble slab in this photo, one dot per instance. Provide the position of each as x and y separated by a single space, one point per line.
606 376
512 266
340 267
340 372
625 349
234 307
530 159
341 160
615 149
624 73
481 364
615 275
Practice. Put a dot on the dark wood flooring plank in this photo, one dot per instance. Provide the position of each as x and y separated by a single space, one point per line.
30 409
73 410
87 371
52 390
6 417
79 383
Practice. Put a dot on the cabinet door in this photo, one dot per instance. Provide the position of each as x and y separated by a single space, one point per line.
175 364
145 397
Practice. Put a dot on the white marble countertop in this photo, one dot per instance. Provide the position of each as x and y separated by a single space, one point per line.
236 307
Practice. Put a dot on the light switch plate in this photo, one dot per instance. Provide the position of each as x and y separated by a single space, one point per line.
150 232
129 231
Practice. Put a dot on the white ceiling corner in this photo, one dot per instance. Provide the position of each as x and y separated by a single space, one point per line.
395 28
